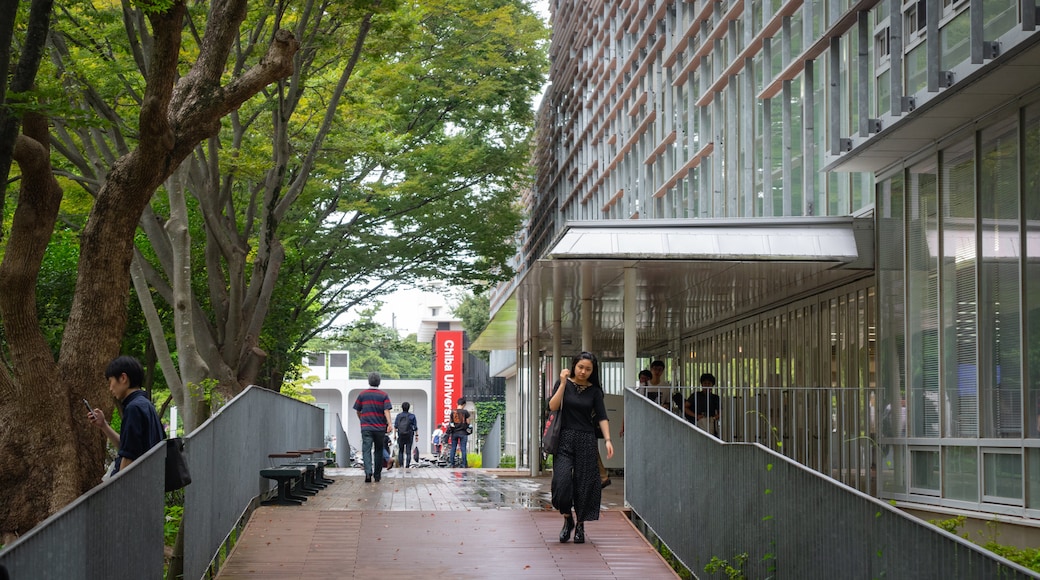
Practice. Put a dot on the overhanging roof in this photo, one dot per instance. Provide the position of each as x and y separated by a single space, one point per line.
710 240
689 274
979 90
500 333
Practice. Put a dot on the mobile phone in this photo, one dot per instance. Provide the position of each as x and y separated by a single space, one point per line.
89 408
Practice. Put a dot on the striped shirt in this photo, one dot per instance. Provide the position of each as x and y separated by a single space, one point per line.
370 405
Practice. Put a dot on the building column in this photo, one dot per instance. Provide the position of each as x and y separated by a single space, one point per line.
630 326
535 395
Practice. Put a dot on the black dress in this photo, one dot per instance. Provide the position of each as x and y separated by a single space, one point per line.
575 483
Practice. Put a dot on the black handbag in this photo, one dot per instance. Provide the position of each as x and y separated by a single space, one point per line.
177 475
551 433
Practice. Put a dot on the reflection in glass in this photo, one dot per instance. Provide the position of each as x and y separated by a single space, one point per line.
923 307
959 308
999 338
961 477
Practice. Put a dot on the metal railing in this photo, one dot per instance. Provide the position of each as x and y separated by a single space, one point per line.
115 530
829 430
708 498
225 456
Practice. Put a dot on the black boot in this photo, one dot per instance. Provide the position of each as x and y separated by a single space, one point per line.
579 533
568 525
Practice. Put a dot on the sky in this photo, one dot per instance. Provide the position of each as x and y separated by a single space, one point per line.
405 309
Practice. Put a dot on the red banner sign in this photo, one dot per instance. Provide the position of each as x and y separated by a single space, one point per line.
447 373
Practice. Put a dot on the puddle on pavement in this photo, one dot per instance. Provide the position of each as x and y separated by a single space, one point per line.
501 493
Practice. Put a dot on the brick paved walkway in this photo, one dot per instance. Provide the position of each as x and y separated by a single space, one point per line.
438 523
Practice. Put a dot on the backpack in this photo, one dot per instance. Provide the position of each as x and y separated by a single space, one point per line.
405 429
458 420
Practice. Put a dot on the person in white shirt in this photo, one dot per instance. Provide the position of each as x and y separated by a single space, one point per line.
437 440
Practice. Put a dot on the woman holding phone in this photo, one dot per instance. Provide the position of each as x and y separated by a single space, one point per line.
576 487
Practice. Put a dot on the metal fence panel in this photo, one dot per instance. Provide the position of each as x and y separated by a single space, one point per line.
344 457
115 530
709 498
225 456
491 452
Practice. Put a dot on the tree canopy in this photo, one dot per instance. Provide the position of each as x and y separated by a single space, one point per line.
255 170
375 347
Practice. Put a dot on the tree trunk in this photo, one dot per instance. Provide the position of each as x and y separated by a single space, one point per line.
45 417
34 408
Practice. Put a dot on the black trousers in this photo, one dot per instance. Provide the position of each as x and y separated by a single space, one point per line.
404 450
576 483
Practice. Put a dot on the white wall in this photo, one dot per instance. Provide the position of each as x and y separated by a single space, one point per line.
340 394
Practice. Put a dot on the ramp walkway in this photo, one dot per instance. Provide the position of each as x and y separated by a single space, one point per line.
439 522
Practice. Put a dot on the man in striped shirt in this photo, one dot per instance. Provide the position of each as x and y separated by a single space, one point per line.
373 411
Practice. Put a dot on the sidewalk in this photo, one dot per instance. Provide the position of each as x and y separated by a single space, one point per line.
439 522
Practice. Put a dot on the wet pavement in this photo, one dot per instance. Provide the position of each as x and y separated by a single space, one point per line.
482 523
433 488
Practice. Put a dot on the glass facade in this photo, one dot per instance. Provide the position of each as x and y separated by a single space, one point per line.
799 379
664 110
958 318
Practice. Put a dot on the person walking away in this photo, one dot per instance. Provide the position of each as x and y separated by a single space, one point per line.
373 411
702 407
141 429
459 428
576 487
407 432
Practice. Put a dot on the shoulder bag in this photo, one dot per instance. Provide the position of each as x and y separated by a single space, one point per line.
551 433
177 475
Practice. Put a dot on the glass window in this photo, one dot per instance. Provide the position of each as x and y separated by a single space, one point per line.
916 66
1002 481
915 22
1033 480
923 306
961 466
776 140
884 93
959 308
818 116
756 16
797 38
848 85
924 475
797 148
882 48
892 476
1031 252
954 47
891 307
1000 344
998 17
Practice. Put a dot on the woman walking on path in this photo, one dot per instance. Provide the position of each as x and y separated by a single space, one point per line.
576 481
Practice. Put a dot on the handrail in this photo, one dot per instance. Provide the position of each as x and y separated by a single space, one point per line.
115 530
718 499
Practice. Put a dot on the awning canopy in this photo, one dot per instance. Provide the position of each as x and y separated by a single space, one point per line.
690 274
